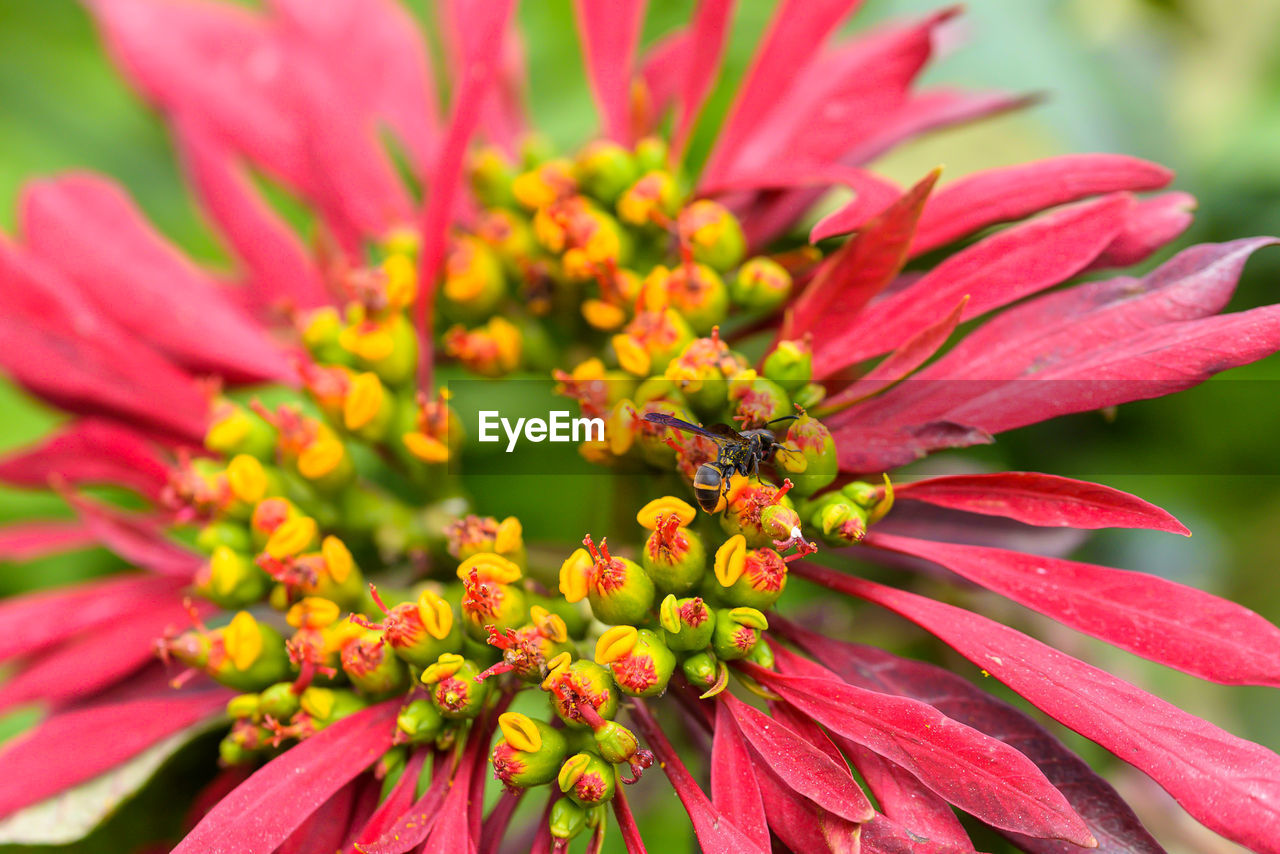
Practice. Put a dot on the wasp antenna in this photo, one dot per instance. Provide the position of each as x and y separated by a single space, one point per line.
784 418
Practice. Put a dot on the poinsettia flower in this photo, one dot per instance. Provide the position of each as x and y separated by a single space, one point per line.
424 216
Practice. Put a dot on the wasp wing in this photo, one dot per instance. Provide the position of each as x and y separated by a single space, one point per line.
677 424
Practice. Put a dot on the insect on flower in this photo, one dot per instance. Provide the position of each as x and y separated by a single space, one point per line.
738 453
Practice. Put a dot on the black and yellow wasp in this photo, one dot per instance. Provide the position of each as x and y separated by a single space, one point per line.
740 453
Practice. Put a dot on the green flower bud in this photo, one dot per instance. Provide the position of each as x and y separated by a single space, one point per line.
567 819
639 660
659 388
324 706
698 293
654 199
875 500
673 556
762 654
809 396
319 330
761 284
490 598
491 174
388 347
790 365
453 687
713 234
587 779
420 632
615 742
419 722
231 579
373 668
651 152
245 654
582 692
815 444
761 582
279 701
234 429
605 170
688 623
233 535
243 706
842 522
618 589
701 669
530 752
745 502
759 401
737 631
474 282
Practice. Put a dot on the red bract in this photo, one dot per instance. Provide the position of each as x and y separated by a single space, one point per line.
335 100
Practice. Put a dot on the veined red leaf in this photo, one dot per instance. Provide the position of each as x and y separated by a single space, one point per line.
870 200
1230 785
716 834
1151 224
899 364
610 32
281 272
26 541
907 801
68 748
844 95
385 70
480 65
1112 820
859 271
1013 192
796 34
1185 628
932 109
95 659
58 345
1059 328
798 764
138 539
979 774
502 118
1041 499
734 790
708 34
397 802
223 62
883 835
874 448
627 824
1004 267
89 230
295 784
326 829
36 621
1153 363
411 826
90 450
801 824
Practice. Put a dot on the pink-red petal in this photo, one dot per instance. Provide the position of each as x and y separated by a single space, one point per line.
90 451
610 33
734 790
282 795
1228 784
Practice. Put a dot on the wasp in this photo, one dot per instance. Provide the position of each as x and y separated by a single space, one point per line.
739 453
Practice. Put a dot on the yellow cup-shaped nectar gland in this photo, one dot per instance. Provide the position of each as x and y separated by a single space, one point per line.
616 643
242 640
660 508
292 537
313 613
520 732
247 479
436 615
575 574
337 559
490 567
731 560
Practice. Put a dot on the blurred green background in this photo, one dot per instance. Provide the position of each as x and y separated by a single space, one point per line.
1194 84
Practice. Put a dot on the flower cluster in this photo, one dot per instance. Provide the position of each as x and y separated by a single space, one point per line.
317 582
